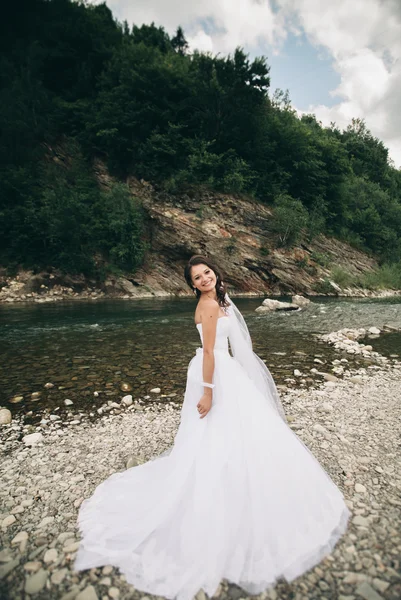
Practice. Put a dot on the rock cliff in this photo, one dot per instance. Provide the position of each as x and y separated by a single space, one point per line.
234 232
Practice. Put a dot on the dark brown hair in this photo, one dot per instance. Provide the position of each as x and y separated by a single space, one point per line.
199 259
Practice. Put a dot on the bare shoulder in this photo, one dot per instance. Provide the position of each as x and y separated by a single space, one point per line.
207 309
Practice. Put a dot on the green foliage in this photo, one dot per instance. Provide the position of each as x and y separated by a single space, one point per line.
342 277
119 227
321 259
136 98
372 216
388 276
68 222
290 220
231 246
302 262
323 286
264 251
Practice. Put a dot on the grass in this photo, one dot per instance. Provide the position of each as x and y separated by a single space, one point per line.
386 277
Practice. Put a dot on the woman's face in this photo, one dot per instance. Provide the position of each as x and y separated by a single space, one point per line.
203 278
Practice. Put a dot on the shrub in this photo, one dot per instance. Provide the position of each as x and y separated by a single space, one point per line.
290 220
342 277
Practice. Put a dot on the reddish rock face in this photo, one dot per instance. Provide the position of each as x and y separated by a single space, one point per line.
235 232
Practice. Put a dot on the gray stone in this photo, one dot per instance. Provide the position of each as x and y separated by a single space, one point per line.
32 439
5 416
300 301
366 591
35 583
360 521
359 488
380 584
8 567
58 576
89 593
7 521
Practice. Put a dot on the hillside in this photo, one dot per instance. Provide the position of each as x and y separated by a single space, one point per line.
236 232
232 169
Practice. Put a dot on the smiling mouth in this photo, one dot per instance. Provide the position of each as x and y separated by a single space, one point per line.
207 283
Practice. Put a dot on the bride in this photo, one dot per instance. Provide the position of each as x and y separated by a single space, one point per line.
237 496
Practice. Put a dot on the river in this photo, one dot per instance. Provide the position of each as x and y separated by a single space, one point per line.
115 347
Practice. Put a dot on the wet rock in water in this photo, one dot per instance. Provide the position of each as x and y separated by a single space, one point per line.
49 385
297 303
16 399
68 402
126 387
5 416
272 305
155 390
300 301
374 330
390 328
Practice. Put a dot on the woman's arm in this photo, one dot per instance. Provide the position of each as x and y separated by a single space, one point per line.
210 315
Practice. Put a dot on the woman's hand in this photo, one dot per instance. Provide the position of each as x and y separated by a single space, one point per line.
204 404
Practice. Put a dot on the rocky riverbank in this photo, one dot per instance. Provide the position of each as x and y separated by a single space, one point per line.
236 232
48 286
352 425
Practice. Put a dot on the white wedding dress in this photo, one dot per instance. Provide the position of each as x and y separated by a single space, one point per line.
238 496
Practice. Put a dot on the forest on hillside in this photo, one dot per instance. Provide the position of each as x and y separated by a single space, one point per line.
135 97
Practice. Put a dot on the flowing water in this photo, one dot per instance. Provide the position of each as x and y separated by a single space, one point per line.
116 347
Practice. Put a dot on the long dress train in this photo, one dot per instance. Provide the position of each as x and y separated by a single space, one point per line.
238 496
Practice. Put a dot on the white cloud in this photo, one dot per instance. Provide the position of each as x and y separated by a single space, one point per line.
364 39
232 23
201 41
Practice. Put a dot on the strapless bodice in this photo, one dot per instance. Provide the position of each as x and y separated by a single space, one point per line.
222 331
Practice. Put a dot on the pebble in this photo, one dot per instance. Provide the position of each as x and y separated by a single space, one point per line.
355 437
58 576
35 583
89 593
50 555
359 488
32 439
366 591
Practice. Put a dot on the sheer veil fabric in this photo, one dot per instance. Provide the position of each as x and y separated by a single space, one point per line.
241 346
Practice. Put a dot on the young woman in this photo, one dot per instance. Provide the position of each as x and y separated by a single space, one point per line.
238 496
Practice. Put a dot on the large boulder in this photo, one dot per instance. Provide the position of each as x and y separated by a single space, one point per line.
300 301
269 305
297 303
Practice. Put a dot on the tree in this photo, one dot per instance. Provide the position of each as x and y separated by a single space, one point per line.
290 220
179 43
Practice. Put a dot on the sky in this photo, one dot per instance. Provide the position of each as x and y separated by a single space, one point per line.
339 60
